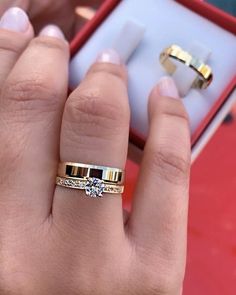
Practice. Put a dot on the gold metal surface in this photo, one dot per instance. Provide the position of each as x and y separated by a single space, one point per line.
80 171
175 52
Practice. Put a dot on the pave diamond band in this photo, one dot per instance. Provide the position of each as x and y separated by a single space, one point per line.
93 186
94 180
205 76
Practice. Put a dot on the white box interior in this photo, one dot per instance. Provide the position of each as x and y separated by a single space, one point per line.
166 22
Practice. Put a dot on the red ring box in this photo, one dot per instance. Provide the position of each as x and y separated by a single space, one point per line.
222 19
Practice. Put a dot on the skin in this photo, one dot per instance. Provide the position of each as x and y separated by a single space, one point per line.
59 12
55 240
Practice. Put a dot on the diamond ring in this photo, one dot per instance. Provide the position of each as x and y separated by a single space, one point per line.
95 180
93 186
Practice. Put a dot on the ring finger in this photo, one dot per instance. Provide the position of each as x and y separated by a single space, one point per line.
95 130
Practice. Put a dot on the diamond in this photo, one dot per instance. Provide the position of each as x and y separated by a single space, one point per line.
94 187
60 181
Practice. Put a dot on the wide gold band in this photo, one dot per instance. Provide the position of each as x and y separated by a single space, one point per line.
204 72
92 186
80 171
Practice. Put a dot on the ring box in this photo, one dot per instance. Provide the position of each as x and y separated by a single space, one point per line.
215 24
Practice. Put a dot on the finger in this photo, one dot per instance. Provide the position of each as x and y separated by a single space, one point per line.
125 216
95 130
159 217
32 102
15 34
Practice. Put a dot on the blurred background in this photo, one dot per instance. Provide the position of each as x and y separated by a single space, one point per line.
227 5
86 12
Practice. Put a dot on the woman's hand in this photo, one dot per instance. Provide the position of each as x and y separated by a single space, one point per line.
59 12
55 240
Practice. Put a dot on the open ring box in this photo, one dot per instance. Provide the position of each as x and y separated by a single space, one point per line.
139 31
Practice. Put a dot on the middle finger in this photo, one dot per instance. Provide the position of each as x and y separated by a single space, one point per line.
95 129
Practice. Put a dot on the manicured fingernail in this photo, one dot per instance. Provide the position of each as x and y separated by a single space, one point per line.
15 19
167 87
52 31
109 56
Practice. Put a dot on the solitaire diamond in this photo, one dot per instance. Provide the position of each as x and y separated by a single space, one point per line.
94 187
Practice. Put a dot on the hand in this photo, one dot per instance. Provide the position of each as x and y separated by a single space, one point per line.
43 12
55 240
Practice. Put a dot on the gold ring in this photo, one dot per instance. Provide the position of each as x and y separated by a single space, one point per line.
95 180
79 170
204 72
93 187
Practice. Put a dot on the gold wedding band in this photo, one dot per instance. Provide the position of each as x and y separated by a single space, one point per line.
79 170
175 52
95 180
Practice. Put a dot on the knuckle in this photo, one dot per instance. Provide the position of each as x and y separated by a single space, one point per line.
174 109
171 167
12 42
32 93
92 114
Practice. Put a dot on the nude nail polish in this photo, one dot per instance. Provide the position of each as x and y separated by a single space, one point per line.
109 56
15 19
167 87
52 31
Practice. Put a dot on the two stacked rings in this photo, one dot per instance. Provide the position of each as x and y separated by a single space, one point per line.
95 180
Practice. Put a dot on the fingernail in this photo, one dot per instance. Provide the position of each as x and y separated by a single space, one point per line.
52 31
15 19
109 56
167 87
